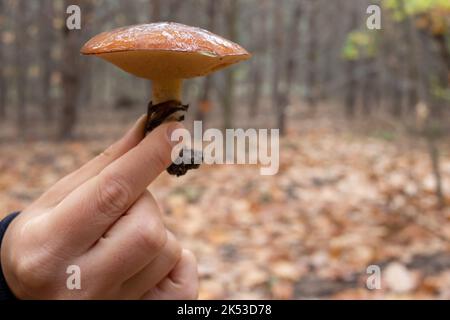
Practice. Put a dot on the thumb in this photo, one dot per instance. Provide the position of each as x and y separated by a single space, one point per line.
181 283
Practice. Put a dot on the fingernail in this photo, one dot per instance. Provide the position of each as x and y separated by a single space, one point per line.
170 129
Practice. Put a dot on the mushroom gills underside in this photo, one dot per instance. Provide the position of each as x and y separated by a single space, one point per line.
156 64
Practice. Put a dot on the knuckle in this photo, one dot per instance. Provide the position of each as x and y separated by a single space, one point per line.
160 160
108 152
151 236
28 272
113 194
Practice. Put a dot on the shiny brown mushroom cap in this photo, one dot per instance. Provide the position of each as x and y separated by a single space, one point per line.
166 49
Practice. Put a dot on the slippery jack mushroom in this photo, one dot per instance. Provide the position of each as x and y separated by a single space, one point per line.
166 53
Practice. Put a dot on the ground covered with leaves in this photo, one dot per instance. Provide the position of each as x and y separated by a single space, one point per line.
340 203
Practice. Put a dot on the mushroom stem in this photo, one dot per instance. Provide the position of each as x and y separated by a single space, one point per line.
166 90
166 106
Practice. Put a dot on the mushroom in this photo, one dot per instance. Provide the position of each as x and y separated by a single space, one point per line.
166 53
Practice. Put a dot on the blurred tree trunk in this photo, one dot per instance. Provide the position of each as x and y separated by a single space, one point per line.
21 66
71 73
174 8
396 96
155 16
70 85
444 50
87 83
327 52
413 72
436 168
311 78
443 77
390 63
205 103
90 26
290 66
368 86
3 81
405 52
378 82
370 91
155 13
45 42
255 93
350 100
259 30
350 66
277 54
228 94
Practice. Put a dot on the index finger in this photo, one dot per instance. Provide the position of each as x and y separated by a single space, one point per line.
72 181
89 211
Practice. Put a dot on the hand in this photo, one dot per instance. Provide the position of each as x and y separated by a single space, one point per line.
102 219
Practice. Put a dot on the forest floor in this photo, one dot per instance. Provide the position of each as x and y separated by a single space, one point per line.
340 202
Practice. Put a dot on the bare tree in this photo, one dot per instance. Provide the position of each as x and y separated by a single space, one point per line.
311 78
259 47
205 99
71 74
290 66
45 43
155 10
232 12
276 50
351 64
174 7
21 66
367 86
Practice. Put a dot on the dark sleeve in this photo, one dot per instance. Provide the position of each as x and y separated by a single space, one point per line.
5 291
